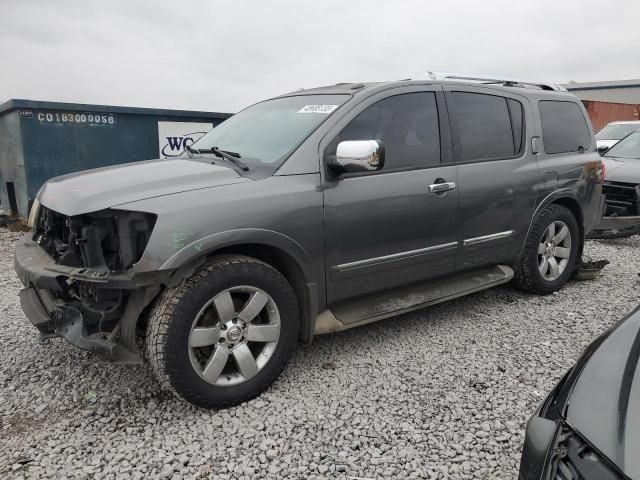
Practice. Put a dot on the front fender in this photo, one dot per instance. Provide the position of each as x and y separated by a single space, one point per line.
206 245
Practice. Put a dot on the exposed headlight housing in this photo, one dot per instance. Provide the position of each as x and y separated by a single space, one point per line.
109 239
33 213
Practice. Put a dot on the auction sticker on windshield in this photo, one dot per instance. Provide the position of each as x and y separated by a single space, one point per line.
318 109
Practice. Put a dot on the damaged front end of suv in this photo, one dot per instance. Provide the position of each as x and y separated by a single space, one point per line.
622 189
78 279
94 259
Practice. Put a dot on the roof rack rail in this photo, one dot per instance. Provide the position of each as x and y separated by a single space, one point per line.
507 81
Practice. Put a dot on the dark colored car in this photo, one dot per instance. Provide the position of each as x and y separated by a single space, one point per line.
589 426
622 189
310 213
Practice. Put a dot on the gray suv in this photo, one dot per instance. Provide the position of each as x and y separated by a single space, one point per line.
310 213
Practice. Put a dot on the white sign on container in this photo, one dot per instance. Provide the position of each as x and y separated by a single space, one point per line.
174 136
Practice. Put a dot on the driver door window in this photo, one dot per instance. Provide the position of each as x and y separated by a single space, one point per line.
406 124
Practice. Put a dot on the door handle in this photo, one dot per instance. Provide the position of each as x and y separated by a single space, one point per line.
441 187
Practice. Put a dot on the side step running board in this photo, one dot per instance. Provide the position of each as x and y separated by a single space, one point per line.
381 305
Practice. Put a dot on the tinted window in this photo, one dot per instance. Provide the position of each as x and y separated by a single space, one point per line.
517 123
484 126
564 128
406 124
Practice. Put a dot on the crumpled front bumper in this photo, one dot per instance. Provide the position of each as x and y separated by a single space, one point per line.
35 267
616 218
36 312
63 321
44 279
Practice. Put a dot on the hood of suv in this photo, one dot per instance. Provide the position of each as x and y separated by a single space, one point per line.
622 169
604 403
94 190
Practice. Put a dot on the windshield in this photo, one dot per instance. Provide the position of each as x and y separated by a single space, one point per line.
616 131
628 147
269 131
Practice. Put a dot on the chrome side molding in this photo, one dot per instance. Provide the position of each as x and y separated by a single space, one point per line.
395 256
343 267
488 238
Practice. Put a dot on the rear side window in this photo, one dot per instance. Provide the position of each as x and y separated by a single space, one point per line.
408 126
517 123
564 128
489 126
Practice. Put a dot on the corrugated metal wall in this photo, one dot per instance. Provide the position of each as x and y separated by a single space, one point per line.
602 113
628 94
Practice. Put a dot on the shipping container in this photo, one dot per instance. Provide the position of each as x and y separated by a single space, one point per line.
602 113
40 140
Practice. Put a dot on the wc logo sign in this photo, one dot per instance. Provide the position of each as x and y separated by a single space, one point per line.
173 137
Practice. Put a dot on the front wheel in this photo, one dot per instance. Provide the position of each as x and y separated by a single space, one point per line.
549 255
224 335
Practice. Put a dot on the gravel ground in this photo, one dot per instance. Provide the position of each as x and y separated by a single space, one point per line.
440 393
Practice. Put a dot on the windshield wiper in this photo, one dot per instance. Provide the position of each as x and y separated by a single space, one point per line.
227 155
231 156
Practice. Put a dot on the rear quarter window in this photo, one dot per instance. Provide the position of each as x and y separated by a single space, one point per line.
564 128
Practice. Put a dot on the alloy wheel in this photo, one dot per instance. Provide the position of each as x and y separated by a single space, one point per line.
554 250
234 335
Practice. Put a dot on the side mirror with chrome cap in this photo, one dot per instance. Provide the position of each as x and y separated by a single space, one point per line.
359 156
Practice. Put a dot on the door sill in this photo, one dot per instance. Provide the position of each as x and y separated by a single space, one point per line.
380 305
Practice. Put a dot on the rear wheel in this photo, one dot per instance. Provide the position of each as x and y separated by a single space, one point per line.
226 334
550 251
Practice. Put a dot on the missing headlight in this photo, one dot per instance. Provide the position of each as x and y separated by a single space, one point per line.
111 239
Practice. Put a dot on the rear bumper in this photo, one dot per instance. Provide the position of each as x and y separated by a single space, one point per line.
599 213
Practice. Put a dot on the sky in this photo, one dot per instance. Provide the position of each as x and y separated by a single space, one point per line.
224 55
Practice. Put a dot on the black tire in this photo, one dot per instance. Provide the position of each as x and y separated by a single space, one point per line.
173 315
527 275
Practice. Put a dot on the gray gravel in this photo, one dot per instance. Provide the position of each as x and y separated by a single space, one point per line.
441 393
